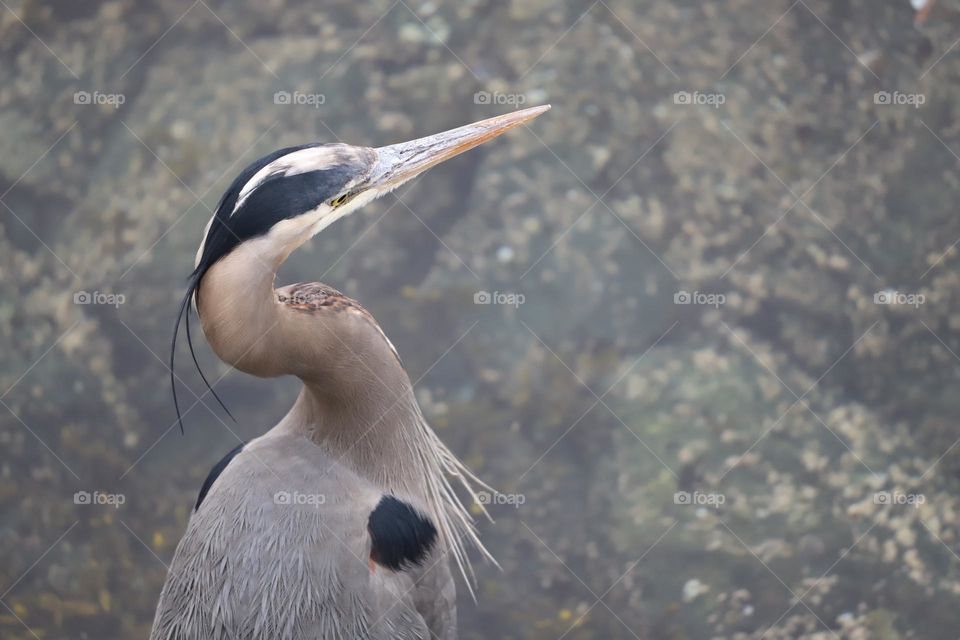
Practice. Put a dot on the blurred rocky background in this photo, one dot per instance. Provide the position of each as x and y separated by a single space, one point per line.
716 377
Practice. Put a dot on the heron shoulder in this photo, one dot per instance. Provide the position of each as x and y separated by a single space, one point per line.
400 535
215 473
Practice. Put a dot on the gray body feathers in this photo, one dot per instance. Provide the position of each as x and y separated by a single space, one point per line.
279 549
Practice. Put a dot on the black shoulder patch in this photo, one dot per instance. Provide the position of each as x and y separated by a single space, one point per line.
401 535
215 473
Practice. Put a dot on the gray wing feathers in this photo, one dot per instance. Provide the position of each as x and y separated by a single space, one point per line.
251 566
435 597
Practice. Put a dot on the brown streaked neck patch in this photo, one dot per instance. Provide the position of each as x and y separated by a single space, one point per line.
314 297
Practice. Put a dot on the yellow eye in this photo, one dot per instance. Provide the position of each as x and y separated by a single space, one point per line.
338 201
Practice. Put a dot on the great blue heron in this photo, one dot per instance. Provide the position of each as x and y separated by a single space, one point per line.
338 521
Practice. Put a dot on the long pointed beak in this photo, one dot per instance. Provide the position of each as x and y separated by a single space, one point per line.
398 163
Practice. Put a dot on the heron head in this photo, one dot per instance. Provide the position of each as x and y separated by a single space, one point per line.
285 197
294 193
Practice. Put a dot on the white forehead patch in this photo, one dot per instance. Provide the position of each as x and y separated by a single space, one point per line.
309 159
203 242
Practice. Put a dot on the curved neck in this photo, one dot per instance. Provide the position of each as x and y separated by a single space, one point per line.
357 401
239 311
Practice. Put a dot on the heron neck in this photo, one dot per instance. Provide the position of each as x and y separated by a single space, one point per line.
357 402
239 311
377 435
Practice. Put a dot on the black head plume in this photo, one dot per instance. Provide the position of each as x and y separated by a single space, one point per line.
279 195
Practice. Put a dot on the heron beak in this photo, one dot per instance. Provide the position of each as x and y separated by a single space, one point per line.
398 163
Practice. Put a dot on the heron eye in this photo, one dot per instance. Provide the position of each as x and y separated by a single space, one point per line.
340 200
